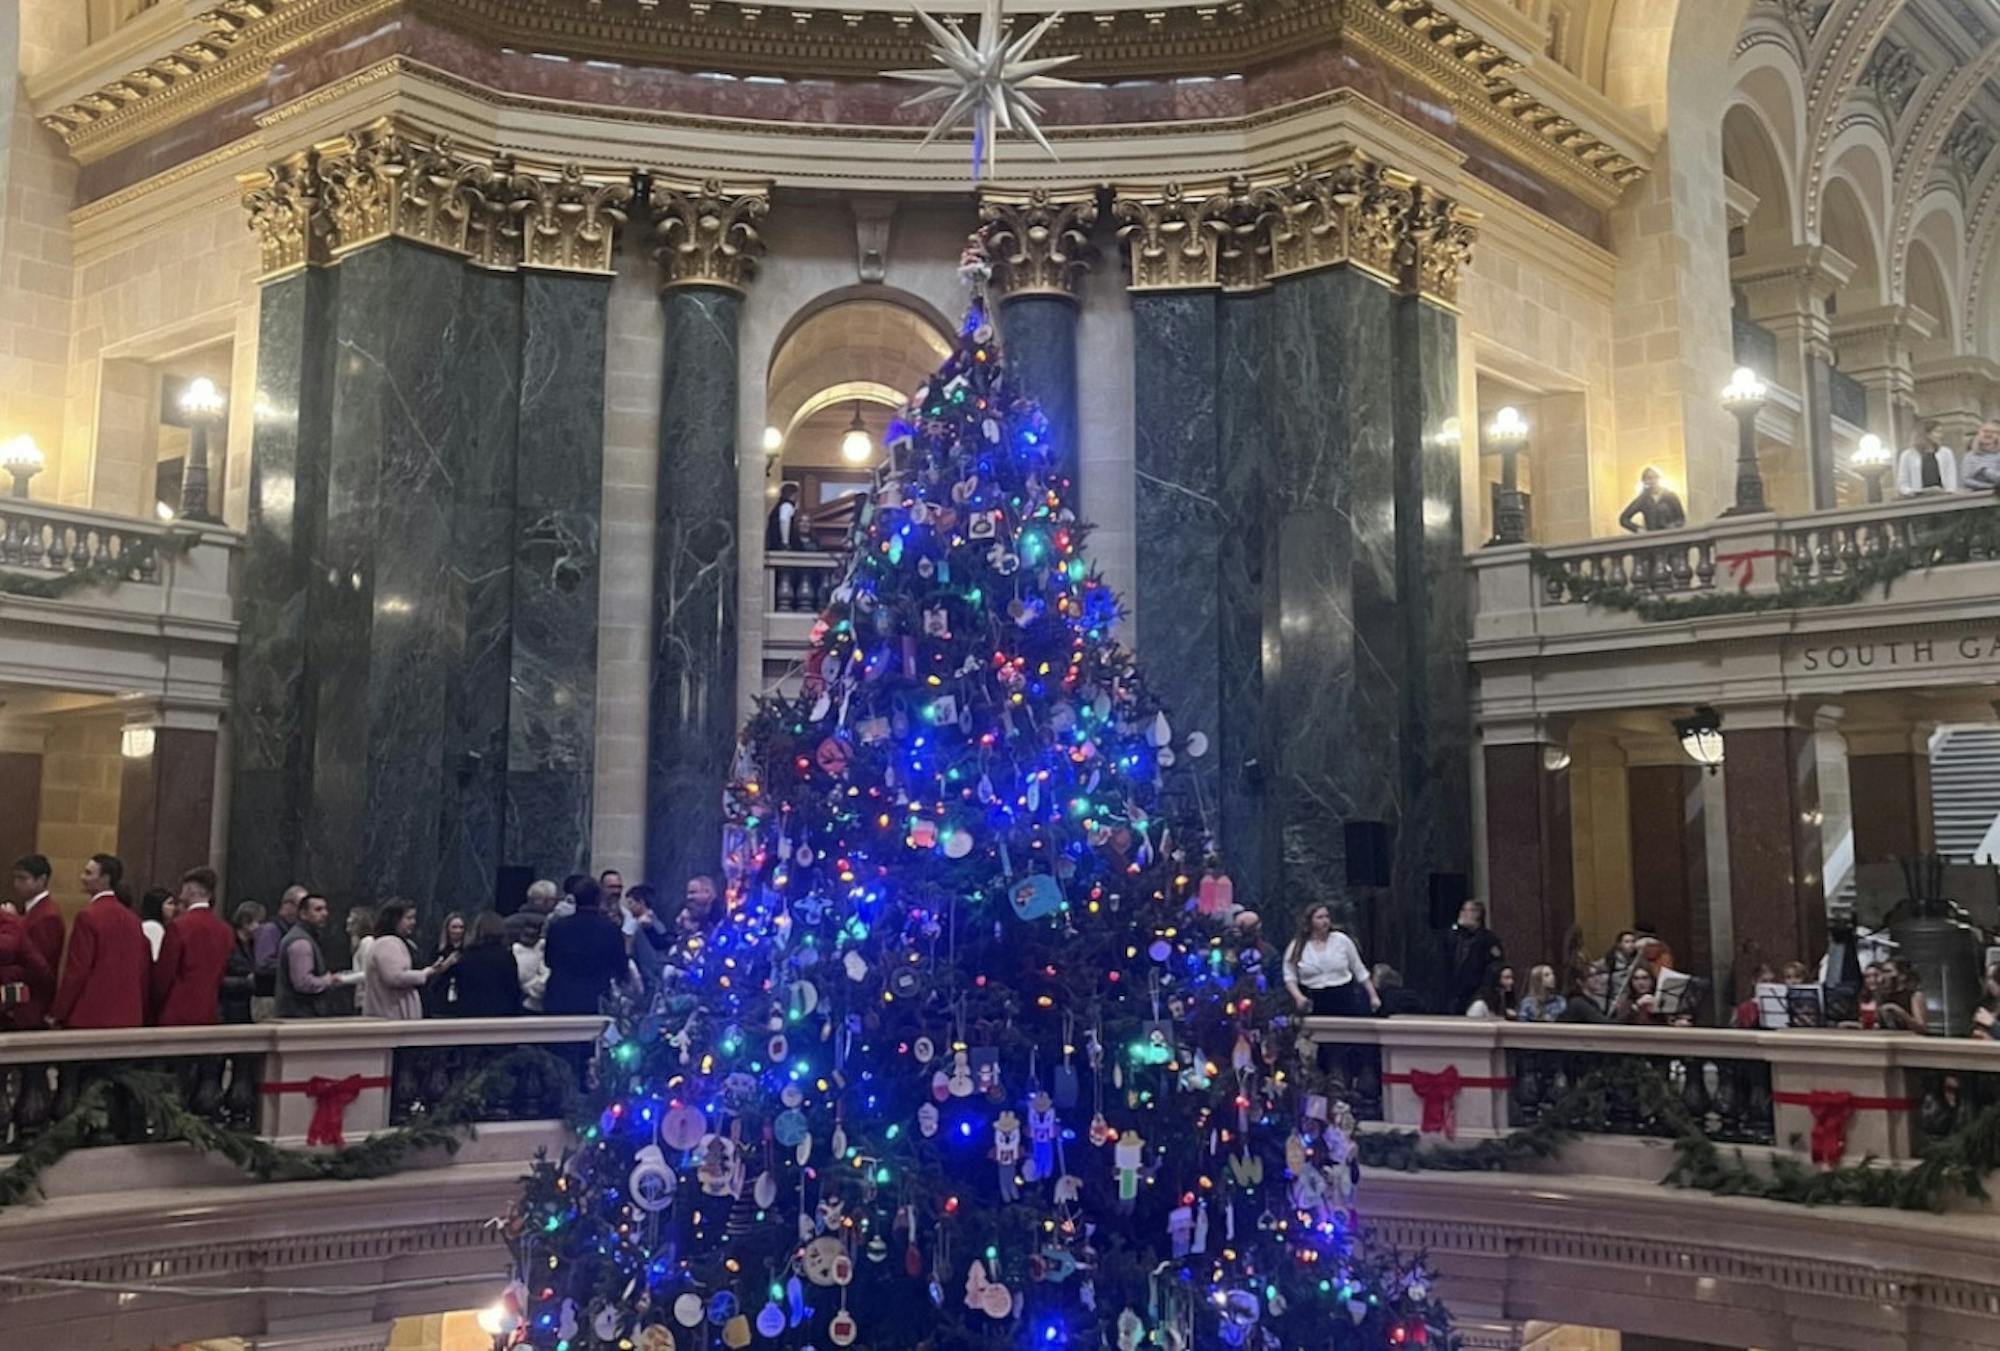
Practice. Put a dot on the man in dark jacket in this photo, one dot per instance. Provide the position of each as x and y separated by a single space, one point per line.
305 985
1475 954
585 953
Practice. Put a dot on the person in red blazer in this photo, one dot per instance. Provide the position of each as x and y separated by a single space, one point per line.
26 983
194 957
45 930
110 962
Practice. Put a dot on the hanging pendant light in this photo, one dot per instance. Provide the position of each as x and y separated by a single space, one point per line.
856 446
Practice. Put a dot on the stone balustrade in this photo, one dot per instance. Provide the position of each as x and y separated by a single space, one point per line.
798 583
1742 1087
40 538
222 1073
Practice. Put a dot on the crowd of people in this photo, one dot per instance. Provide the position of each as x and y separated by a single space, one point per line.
175 962
1633 983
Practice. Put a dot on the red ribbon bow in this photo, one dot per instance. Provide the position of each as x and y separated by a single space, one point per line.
331 1099
1832 1109
1741 564
1439 1092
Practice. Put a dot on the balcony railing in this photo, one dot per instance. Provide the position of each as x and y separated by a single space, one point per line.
228 1076
1754 346
1734 1088
1848 398
798 583
1782 559
38 537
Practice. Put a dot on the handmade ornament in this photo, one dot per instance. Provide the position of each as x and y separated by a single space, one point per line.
736 1333
906 981
771 1319
1036 895
655 1337
1007 1154
833 756
985 1062
1042 1134
825 1262
1131 1331
960 1083
652 1181
927 1120
604 1322
958 842
689 1310
1180 1229
983 1296
790 1128
718 1172
924 1050
722 1307
1217 894
843 1329
682 1127
1126 1156
1239 1313
1100 1129
872 731
923 834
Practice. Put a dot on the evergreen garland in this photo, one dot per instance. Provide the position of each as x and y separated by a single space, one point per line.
104 571
1954 1166
1970 534
156 1094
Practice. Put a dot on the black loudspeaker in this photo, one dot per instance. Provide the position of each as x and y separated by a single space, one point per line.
1448 893
1367 853
510 888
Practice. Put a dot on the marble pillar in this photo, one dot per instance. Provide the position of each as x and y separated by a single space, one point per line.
1333 647
1038 333
1250 835
1432 612
692 727
1530 870
1778 902
558 492
271 719
409 650
1670 861
1178 598
1890 792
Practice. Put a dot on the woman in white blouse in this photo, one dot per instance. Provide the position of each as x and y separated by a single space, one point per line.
1324 970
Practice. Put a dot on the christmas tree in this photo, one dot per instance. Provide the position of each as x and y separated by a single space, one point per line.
974 1057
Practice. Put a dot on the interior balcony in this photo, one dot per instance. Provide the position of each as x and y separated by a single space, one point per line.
1892 595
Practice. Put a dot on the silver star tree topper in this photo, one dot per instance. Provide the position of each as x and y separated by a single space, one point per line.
986 80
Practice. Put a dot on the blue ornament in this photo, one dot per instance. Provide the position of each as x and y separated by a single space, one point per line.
790 1128
1035 896
722 1307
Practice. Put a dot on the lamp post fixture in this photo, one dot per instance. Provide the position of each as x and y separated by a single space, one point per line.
1871 460
1744 396
22 458
202 402
1509 431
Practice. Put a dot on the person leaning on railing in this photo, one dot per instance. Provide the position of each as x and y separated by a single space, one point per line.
1979 471
1900 1006
239 982
1657 507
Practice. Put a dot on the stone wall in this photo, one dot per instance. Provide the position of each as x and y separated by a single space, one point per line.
81 770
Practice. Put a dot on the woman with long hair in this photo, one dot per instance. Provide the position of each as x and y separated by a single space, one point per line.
393 982
1543 1003
442 993
1324 970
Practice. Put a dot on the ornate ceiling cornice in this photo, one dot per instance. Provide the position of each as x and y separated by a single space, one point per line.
1491 94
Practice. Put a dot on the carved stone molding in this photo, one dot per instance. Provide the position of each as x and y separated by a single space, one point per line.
1348 209
705 234
389 179
1174 239
1441 237
284 206
1040 243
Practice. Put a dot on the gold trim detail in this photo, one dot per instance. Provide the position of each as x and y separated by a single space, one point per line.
1174 242
390 179
1345 210
284 205
1481 83
1039 243
705 234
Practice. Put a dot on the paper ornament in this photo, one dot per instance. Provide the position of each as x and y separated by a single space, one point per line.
682 1127
1035 896
688 1311
872 731
652 1181
655 1337
923 834
832 756
721 1308
605 1323
771 1319
736 1333
855 965
927 1120
983 1296
924 1050
825 1262
1217 894
843 1329
958 842
790 1128
765 1190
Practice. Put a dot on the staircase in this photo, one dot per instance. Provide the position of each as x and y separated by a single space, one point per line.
1965 791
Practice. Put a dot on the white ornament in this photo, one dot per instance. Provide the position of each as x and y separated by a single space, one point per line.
986 80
